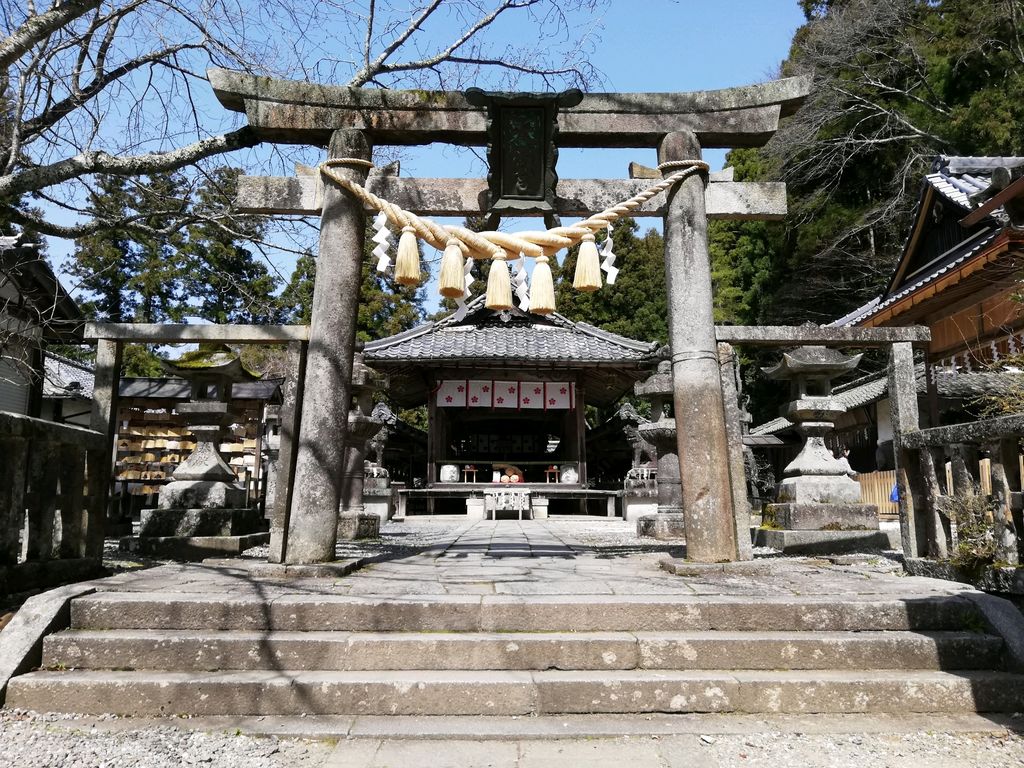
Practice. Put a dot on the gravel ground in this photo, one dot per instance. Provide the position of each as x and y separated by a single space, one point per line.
29 740
912 750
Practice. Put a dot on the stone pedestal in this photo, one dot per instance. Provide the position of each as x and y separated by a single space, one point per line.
664 526
378 497
203 479
639 495
476 508
199 522
539 507
661 433
818 509
358 526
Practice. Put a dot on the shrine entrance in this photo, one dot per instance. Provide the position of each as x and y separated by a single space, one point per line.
522 133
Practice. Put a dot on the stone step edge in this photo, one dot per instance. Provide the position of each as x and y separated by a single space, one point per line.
490 613
518 693
162 649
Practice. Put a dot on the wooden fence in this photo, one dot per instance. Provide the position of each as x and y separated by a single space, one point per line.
876 488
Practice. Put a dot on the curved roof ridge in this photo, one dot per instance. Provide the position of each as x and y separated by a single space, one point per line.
626 341
412 333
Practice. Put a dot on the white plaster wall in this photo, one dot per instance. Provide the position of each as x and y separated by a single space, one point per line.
884 421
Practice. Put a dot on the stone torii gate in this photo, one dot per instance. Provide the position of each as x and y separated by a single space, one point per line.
349 121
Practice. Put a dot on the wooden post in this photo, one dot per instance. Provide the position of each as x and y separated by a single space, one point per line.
737 459
326 400
291 407
581 441
696 379
433 433
905 419
101 462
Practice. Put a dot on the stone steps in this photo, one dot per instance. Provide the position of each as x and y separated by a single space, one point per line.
291 653
515 692
361 651
507 613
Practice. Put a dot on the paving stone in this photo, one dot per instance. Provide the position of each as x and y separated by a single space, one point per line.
596 753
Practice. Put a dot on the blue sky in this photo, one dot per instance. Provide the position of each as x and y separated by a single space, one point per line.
666 45
646 45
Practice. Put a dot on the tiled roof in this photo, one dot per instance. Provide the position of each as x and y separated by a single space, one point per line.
964 182
871 389
948 262
963 179
483 335
67 378
179 389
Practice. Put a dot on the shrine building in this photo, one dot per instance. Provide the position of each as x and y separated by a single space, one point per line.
506 394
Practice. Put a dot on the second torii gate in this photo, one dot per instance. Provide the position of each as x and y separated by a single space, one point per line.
349 121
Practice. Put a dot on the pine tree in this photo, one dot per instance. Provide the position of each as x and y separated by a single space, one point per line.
385 308
104 263
227 282
159 278
636 306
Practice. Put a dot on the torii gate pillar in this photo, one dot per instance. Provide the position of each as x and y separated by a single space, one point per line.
696 380
327 392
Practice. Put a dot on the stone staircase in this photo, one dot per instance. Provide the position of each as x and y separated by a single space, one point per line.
152 654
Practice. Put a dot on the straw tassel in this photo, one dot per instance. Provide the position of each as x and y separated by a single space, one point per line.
542 288
588 266
499 285
453 276
407 264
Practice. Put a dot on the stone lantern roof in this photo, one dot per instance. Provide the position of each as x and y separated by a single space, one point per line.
812 361
217 359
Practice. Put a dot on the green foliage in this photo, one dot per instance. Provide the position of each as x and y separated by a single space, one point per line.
296 300
977 531
895 84
636 306
229 282
140 360
385 308
162 270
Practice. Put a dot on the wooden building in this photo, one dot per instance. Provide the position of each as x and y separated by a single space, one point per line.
506 394
35 310
959 274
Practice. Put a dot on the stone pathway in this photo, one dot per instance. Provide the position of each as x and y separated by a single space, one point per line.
581 557
539 557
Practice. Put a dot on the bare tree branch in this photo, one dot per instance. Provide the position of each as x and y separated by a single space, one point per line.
38 27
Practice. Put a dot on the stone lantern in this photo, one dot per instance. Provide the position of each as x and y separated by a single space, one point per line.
204 479
661 433
818 507
353 521
204 507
